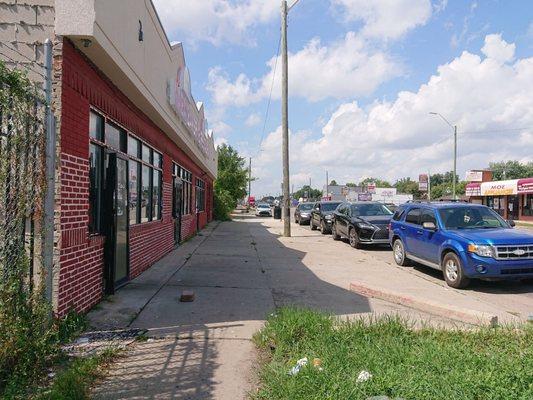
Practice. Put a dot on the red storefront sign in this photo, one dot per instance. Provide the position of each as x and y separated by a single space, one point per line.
473 189
525 185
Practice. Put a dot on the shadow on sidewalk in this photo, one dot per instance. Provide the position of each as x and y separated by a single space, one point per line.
239 275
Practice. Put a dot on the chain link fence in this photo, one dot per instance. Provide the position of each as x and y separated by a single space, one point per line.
24 311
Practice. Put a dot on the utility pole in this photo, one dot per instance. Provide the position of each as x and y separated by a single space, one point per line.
454 160
429 185
285 120
249 179
327 185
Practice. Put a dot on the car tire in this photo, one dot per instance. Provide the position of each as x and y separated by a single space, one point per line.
453 272
311 225
334 234
323 229
354 239
398 251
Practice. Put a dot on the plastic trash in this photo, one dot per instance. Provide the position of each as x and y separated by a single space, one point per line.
302 362
363 376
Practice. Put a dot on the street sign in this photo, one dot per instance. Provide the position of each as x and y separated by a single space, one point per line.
423 182
371 187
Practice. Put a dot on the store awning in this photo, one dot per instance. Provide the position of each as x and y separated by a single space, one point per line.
499 188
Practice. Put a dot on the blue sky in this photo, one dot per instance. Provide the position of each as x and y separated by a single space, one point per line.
349 62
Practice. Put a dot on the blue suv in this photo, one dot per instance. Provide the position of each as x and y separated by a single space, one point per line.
463 240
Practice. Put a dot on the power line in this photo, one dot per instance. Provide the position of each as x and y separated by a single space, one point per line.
269 98
28 67
23 55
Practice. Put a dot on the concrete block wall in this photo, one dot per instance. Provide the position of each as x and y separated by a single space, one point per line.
24 27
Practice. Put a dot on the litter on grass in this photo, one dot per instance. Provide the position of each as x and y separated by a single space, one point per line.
317 363
302 362
363 376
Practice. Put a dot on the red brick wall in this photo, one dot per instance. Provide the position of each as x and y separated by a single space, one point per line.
81 255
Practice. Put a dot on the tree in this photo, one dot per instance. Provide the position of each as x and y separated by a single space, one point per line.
379 183
307 192
511 170
351 184
333 183
231 182
407 186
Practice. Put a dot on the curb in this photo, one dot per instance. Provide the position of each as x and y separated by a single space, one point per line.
443 310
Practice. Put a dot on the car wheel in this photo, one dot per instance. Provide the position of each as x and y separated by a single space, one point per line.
334 234
323 229
399 253
354 239
311 225
453 271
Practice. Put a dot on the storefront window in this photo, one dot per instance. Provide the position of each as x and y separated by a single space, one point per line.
497 203
200 195
133 146
146 194
96 127
156 195
134 193
528 205
95 187
115 137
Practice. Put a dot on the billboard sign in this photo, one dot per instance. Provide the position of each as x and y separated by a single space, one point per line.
364 196
371 187
525 185
423 182
499 188
474 176
473 189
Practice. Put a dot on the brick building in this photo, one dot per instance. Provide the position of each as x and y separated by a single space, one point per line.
135 161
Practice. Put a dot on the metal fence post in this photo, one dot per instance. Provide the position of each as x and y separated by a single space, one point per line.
50 149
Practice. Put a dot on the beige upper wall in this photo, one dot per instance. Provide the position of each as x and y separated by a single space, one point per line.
141 69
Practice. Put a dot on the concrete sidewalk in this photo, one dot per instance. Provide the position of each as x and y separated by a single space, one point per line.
240 272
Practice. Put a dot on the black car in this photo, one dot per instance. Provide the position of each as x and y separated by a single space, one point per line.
322 215
302 214
363 222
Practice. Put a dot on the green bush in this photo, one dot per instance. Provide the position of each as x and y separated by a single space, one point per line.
224 204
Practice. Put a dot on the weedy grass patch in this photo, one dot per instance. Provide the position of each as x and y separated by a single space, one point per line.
407 363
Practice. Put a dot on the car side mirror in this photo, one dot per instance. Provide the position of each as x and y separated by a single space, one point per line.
511 223
429 226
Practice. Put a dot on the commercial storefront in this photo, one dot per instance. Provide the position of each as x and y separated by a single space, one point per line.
512 199
135 160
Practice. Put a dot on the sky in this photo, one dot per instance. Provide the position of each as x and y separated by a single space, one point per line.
363 78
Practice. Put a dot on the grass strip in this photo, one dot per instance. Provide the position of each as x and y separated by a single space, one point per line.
75 381
427 363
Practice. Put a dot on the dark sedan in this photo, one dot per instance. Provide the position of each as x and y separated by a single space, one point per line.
322 215
302 214
362 222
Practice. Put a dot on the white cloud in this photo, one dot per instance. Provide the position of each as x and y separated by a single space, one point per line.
253 120
347 68
386 19
218 22
498 49
485 95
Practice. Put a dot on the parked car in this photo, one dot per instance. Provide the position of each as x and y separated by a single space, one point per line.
302 214
322 214
263 210
362 222
464 241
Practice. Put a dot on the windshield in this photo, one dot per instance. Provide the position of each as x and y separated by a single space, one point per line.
263 206
368 210
328 206
306 206
471 218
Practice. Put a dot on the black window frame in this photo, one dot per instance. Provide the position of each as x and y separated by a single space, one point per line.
96 196
200 195
124 148
186 188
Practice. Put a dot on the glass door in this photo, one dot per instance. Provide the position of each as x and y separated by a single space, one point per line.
116 222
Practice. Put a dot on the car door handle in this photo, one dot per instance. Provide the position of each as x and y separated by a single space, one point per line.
402 228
